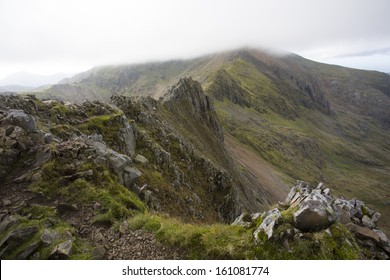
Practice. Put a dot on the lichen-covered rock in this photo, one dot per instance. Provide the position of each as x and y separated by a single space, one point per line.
315 213
48 237
62 251
267 225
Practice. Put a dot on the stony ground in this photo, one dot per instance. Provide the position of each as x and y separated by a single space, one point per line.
108 243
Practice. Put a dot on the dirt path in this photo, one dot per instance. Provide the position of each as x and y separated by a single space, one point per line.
269 179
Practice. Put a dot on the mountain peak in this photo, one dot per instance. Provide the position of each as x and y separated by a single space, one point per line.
188 94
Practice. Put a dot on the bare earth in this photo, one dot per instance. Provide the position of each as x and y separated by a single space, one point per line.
268 179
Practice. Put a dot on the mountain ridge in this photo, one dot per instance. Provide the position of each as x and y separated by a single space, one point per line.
333 120
208 140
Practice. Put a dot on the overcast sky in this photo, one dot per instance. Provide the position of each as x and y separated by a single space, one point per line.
49 36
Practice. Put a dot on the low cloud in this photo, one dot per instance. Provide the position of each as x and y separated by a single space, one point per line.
67 36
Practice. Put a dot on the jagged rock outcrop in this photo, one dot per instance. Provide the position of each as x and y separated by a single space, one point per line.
19 137
267 225
187 95
224 86
175 155
316 210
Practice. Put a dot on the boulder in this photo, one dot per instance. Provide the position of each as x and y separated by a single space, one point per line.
315 213
49 236
344 210
384 241
363 232
141 159
267 225
62 251
21 119
130 174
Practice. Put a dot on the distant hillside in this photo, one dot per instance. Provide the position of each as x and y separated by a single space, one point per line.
299 118
26 81
15 88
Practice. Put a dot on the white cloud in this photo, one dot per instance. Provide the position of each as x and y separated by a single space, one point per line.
46 36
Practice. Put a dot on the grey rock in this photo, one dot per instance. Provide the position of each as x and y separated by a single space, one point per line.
99 236
6 202
123 227
363 232
375 217
117 161
326 191
315 213
243 220
62 251
21 119
141 159
166 158
366 221
129 135
96 137
357 210
18 236
268 224
286 245
48 138
9 130
7 222
344 210
176 184
99 253
200 105
146 196
130 174
48 237
383 239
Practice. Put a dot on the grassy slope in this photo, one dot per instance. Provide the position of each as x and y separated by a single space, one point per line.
349 152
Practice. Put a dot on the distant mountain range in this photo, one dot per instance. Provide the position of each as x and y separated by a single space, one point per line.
25 81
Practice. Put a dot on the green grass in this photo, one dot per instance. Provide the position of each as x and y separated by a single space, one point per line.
219 241
107 125
117 201
198 242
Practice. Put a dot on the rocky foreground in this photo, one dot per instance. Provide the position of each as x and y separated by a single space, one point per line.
315 210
